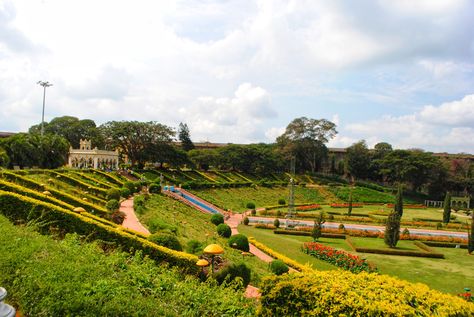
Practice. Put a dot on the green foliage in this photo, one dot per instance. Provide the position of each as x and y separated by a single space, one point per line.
447 208
239 241
278 267
392 229
233 272
131 186
358 160
139 201
113 193
317 231
194 247
154 188
112 205
470 245
276 223
349 209
125 192
281 201
246 221
46 277
156 224
361 194
250 205
167 240
184 137
399 202
224 230
4 159
217 219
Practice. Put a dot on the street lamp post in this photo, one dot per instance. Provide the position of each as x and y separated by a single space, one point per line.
44 84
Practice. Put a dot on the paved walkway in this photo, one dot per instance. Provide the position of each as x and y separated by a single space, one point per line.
131 221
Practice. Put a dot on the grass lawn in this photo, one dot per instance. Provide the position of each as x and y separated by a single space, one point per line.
448 275
378 243
237 198
194 225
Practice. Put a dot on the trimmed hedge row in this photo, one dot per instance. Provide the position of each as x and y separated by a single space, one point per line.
79 174
427 253
445 244
342 293
100 192
307 233
111 177
279 256
17 207
65 197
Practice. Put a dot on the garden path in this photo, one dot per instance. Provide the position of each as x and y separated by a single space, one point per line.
131 220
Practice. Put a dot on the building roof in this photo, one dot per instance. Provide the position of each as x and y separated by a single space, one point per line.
6 134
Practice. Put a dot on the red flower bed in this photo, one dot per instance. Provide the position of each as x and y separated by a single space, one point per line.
308 207
338 258
346 205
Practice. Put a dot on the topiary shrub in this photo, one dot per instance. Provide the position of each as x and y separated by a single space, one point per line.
155 225
253 212
125 192
341 227
130 186
194 247
113 193
167 240
278 267
217 219
118 217
281 201
246 221
250 205
276 223
112 205
233 271
224 230
239 241
154 188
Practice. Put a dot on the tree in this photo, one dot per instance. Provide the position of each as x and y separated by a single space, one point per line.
470 246
305 139
349 210
392 227
318 226
184 137
358 160
4 159
204 158
140 141
447 208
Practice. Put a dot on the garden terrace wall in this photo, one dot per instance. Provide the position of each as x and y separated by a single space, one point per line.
426 253
69 199
17 207
342 293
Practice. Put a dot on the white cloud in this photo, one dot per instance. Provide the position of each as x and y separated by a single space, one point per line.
457 113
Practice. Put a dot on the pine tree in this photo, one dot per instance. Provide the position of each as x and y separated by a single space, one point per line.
184 137
447 208
470 246
392 227
349 210
318 226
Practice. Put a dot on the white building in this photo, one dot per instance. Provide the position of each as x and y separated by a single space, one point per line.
86 157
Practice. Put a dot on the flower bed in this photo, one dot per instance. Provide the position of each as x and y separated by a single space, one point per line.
308 207
338 258
346 205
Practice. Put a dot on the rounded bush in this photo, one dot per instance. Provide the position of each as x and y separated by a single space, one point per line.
342 227
246 221
112 205
276 223
167 240
154 188
233 271
224 230
250 205
194 246
253 212
281 201
217 219
278 267
125 192
239 241
113 193
118 217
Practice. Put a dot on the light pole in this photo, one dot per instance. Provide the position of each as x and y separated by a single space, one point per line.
44 84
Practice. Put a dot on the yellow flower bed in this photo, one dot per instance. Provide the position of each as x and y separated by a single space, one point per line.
279 256
341 293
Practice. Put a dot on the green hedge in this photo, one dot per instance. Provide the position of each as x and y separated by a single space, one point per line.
17 207
65 197
445 244
82 175
100 192
308 233
111 177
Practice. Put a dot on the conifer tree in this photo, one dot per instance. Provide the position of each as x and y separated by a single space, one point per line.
447 208
349 210
184 137
392 227
318 226
470 246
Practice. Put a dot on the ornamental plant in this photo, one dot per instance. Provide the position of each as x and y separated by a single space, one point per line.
246 221
217 219
113 193
278 267
224 230
470 244
276 223
239 241
338 258
112 205
447 208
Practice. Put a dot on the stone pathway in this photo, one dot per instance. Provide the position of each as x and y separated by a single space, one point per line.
131 221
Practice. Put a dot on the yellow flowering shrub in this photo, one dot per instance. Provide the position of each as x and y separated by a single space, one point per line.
342 293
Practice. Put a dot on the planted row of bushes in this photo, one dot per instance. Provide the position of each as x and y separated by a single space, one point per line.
342 293
20 208
205 185
99 192
60 195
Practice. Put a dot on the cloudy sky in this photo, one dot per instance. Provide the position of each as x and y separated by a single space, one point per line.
239 71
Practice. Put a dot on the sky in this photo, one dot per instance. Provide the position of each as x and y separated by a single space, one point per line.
239 71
